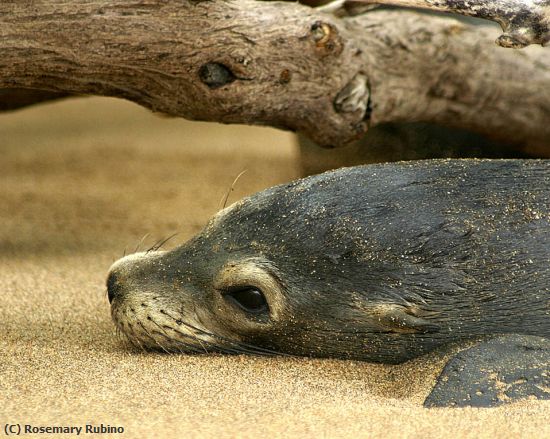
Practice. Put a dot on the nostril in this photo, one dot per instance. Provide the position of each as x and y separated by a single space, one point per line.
113 286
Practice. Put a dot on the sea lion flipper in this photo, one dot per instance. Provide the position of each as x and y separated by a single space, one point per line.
402 319
501 370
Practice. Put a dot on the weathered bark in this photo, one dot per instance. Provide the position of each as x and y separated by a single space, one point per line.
524 22
279 64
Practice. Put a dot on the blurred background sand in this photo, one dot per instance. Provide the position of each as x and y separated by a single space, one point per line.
84 179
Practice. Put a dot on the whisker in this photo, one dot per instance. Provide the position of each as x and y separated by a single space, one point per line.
189 348
160 243
133 343
138 343
194 338
141 242
166 335
166 240
242 346
147 333
153 246
134 340
231 189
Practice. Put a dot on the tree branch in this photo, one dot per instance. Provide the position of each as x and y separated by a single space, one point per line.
279 64
523 22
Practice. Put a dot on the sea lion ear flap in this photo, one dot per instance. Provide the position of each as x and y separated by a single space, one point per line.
402 319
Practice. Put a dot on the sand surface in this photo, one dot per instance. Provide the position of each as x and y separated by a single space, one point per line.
82 180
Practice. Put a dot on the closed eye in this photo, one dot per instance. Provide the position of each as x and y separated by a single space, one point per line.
249 299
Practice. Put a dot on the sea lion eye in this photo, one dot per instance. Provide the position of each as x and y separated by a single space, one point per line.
249 299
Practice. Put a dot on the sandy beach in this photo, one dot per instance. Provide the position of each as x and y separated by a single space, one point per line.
81 182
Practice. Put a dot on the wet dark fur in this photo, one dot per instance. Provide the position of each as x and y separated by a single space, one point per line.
456 248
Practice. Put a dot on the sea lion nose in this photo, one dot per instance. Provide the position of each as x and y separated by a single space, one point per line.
114 288
130 274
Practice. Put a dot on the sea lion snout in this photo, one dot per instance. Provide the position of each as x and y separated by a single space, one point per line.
143 308
159 300
122 272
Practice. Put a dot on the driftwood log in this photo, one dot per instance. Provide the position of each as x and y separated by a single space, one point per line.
279 64
523 22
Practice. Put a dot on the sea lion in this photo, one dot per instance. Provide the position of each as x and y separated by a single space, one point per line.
380 263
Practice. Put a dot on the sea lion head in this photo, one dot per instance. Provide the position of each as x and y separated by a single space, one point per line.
289 270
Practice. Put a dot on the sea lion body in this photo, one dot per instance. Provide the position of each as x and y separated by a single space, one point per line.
380 263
